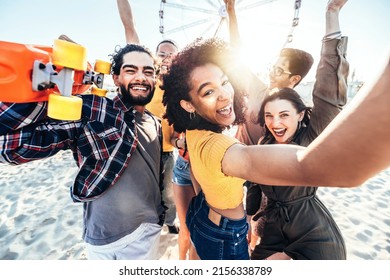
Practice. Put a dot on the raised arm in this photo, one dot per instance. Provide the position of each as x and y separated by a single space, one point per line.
256 89
235 39
332 15
128 22
330 88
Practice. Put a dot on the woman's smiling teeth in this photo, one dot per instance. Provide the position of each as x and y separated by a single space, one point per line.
225 110
279 131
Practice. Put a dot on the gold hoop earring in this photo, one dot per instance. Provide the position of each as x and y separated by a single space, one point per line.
192 115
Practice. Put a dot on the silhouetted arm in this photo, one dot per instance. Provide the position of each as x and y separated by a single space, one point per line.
128 22
235 39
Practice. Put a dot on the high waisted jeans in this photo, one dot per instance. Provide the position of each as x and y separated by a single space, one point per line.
226 241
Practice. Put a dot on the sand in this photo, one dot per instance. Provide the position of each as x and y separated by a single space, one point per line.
39 221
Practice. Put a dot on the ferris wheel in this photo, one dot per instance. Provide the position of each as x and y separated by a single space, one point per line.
208 18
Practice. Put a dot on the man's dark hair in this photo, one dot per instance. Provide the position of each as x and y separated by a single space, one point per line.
169 41
300 61
117 56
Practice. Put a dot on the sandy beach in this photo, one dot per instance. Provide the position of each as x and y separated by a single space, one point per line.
39 221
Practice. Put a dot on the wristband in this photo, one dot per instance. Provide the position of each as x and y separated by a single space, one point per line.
331 36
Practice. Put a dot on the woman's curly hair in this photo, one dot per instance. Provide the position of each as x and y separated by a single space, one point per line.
177 83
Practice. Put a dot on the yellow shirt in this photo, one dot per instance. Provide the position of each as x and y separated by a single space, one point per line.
157 108
207 149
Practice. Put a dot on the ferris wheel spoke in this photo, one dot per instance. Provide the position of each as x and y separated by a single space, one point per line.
192 24
212 4
209 16
207 29
253 5
219 27
190 8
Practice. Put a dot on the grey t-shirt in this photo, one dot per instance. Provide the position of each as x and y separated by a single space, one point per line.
135 198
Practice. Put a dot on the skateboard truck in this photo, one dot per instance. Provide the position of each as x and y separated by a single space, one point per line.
69 57
96 77
44 77
41 75
74 73
92 78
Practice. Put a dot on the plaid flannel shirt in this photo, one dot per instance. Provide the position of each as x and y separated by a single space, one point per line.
102 141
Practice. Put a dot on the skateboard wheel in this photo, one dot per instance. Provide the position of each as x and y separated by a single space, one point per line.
98 91
102 66
70 55
64 108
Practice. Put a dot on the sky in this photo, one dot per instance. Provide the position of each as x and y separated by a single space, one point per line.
264 26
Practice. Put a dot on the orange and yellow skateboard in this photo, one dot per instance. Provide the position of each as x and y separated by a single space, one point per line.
31 73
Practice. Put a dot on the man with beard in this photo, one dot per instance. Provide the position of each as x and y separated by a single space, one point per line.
117 147
166 50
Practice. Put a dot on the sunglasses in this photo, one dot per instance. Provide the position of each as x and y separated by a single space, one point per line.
278 71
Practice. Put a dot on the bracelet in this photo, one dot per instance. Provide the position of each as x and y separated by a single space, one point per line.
333 34
177 139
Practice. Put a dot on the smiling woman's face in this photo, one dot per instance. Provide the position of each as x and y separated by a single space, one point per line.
211 95
281 118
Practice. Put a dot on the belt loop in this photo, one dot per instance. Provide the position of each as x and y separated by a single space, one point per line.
224 222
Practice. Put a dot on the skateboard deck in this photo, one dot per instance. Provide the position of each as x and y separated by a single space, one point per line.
31 73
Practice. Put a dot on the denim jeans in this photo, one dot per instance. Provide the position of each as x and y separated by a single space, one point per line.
226 241
181 172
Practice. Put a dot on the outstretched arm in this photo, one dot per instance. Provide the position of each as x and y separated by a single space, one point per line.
355 146
128 22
